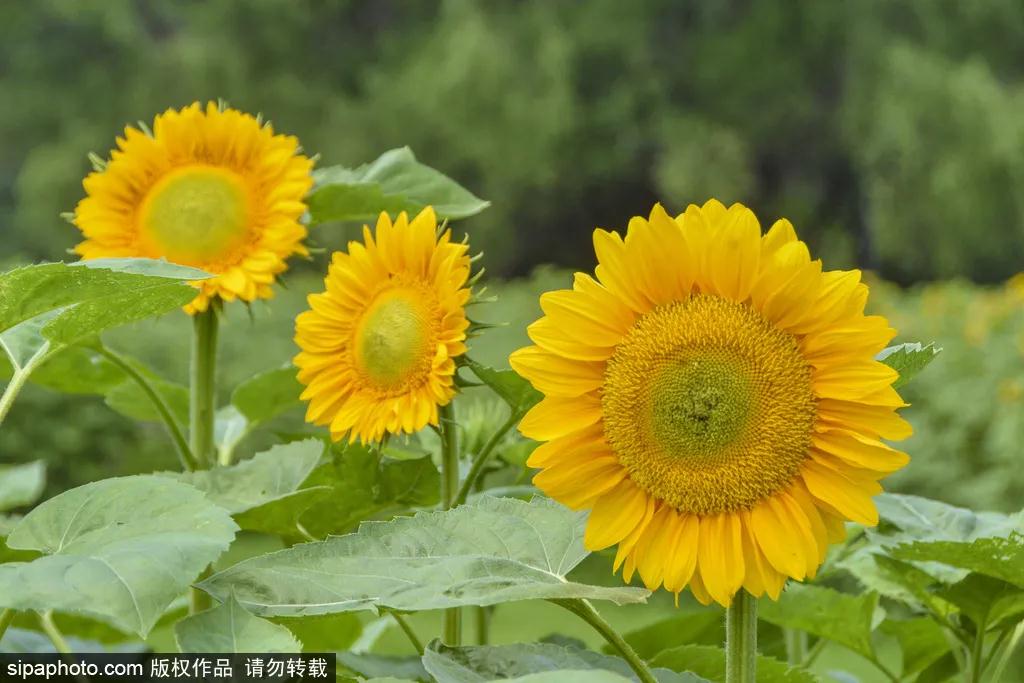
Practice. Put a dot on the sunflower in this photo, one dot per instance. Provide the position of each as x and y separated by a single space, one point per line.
378 345
214 188
713 399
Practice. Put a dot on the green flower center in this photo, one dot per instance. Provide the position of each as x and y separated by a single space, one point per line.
395 337
196 215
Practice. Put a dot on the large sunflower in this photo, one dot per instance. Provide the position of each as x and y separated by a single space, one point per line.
713 398
215 189
378 345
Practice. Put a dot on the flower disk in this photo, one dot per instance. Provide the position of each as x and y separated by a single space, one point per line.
713 397
215 189
378 345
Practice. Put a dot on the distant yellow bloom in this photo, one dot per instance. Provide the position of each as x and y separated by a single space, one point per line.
713 398
378 345
215 189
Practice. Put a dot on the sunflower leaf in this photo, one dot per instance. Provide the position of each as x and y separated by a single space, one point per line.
87 297
489 551
921 640
229 628
393 183
1002 558
513 389
21 484
119 549
364 484
498 662
908 359
839 617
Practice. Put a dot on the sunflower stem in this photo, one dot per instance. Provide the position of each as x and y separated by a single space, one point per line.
203 387
741 639
20 376
1004 657
188 460
202 401
796 646
408 631
585 611
449 493
482 457
53 633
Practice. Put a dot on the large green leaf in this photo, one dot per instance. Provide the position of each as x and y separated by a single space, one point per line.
839 617
393 183
267 394
1002 558
120 549
253 403
266 477
266 492
499 662
21 485
373 666
489 551
229 628
922 641
78 370
709 661
908 359
363 485
513 389
90 296
906 519
985 599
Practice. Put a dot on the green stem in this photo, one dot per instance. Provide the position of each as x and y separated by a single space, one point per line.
202 406
449 490
483 625
19 377
203 387
977 652
188 460
884 669
409 632
53 633
796 646
584 610
741 639
1004 658
6 617
482 457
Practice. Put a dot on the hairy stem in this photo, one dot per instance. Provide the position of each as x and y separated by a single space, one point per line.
203 386
188 461
449 486
585 611
482 457
741 639
202 400
977 650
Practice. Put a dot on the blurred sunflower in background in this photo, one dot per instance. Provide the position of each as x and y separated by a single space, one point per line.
212 188
378 345
713 397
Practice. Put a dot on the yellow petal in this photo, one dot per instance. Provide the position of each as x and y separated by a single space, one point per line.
615 515
557 416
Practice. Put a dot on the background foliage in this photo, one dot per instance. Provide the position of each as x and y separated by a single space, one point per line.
890 133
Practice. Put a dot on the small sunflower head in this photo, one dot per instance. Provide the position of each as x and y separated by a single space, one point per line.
378 345
212 188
